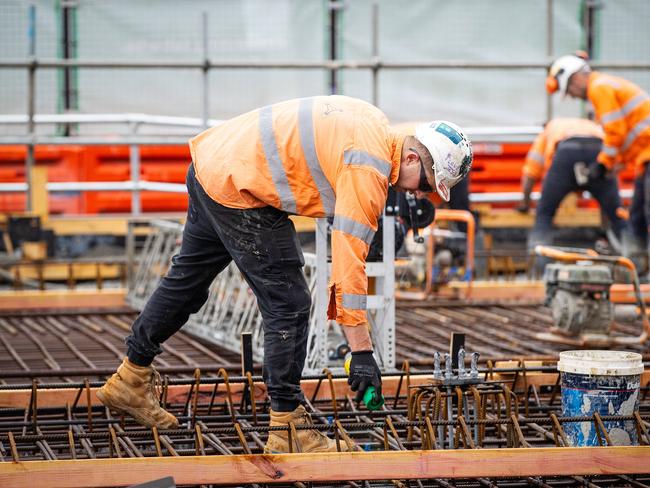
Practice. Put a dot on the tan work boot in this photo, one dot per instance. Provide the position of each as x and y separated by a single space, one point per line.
131 391
309 440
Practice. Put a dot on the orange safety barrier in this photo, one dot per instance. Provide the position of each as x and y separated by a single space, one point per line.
496 168
166 164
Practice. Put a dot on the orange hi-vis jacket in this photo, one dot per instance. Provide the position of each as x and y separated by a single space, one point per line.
540 155
329 156
623 109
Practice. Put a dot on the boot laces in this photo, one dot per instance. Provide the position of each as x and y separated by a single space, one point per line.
313 433
156 384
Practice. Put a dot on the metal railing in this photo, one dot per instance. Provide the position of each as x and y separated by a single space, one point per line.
231 307
478 135
134 140
375 65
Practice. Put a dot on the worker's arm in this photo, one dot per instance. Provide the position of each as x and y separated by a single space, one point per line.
361 192
532 170
608 113
358 337
527 184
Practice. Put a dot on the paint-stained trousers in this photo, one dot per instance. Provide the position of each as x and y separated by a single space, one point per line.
640 207
263 244
561 180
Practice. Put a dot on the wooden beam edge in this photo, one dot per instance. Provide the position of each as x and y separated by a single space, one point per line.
283 468
61 299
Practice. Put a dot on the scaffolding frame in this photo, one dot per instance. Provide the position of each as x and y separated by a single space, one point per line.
375 64
231 308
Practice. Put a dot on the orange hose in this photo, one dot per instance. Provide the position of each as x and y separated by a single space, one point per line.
591 255
455 216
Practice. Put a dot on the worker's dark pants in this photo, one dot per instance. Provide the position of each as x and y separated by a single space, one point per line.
265 248
640 207
560 181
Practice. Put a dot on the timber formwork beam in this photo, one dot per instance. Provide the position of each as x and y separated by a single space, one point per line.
321 389
328 467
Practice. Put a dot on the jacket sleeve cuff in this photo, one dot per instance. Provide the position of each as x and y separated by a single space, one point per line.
343 316
606 160
533 174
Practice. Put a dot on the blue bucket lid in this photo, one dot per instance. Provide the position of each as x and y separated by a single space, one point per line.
601 363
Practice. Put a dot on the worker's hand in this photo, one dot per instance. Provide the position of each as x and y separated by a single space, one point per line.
523 206
364 372
597 172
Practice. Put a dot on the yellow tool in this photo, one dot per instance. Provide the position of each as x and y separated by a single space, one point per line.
370 400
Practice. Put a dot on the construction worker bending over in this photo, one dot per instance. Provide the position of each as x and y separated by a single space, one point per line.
566 150
623 111
317 157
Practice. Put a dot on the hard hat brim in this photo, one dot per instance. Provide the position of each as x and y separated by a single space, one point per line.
440 186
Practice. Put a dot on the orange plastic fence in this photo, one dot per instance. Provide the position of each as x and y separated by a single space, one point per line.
497 168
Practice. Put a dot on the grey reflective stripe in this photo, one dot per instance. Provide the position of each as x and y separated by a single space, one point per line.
363 158
610 151
636 130
355 302
607 81
625 109
535 156
279 175
353 228
306 127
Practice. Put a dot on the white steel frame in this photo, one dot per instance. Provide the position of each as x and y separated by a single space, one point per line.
232 309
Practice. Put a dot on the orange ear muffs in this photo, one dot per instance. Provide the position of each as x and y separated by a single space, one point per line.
582 54
551 85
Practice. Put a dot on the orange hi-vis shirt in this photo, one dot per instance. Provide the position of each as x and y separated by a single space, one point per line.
623 109
540 155
329 156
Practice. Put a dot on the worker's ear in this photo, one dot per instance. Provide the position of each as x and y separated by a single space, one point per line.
412 157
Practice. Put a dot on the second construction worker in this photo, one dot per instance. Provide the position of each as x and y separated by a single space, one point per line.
318 157
623 111
563 154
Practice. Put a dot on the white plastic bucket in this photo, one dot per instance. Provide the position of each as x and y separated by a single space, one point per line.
606 382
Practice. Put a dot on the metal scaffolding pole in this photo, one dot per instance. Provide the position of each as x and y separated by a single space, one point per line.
206 71
549 52
31 100
375 54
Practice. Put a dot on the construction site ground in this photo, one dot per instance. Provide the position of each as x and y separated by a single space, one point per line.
55 433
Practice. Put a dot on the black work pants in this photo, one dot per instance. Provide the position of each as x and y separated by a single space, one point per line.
640 207
265 248
561 180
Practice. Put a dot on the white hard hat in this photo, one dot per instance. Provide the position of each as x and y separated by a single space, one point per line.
451 152
561 70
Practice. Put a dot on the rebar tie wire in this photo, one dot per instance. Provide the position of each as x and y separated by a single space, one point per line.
361 426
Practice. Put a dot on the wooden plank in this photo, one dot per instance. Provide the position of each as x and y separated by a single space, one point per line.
63 299
38 196
61 271
113 225
286 468
116 225
493 290
500 218
178 393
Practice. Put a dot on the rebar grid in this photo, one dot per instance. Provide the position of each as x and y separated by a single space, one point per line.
68 346
516 405
229 416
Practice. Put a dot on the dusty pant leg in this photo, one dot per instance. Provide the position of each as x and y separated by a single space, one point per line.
184 289
635 237
558 183
604 190
264 245
646 213
459 200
